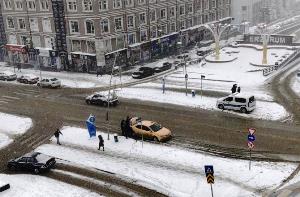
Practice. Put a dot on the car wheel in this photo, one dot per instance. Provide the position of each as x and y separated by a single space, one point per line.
38 85
105 104
36 171
88 102
243 110
221 107
11 167
155 139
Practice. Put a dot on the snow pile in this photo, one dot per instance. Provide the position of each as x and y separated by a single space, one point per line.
41 186
264 109
12 125
171 170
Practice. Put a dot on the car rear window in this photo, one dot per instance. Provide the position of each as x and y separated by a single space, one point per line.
240 100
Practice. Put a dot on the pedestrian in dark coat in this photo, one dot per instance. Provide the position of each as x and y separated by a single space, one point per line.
98 71
56 135
233 89
128 130
101 142
123 128
19 67
239 89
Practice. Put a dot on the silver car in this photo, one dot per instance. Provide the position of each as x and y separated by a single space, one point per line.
49 83
8 76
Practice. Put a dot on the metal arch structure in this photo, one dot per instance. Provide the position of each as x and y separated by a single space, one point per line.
217 30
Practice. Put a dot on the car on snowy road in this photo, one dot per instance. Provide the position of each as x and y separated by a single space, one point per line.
50 83
143 72
28 79
238 101
33 162
164 67
149 130
8 76
101 98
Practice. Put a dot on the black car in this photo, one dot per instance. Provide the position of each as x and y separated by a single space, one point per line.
34 162
28 79
102 99
164 67
143 72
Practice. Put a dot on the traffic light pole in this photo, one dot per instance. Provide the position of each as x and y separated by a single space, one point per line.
212 191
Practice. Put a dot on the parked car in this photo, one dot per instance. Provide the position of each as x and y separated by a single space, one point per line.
28 79
298 74
8 76
34 162
143 72
165 66
149 130
101 98
50 83
238 101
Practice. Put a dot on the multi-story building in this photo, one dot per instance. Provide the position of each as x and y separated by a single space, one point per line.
97 30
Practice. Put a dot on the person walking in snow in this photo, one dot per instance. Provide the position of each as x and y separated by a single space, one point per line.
56 135
239 89
233 89
123 128
101 142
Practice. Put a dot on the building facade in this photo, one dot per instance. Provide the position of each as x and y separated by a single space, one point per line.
91 33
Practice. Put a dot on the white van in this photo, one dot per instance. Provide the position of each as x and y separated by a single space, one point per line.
238 101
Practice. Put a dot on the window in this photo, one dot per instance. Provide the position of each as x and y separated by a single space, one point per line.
24 40
76 45
244 8
7 5
181 10
89 27
163 13
120 42
10 22
143 35
141 2
118 23
163 29
34 25
129 3
251 99
31 5
117 4
91 47
213 3
240 100
19 4
87 5
130 21
49 42
74 26
46 25
36 41
205 4
190 8
104 23
72 5
229 99
22 24
103 5
189 23
143 18
152 15
173 27
145 128
182 24
131 38
153 31
44 5
172 11
12 39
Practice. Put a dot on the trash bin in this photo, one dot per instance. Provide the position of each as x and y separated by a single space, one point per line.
116 138
193 93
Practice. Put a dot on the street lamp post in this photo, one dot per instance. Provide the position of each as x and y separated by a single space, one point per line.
217 29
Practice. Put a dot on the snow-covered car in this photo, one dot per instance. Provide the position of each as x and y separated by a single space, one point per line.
165 66
238 101
149 130
50 83
28 79
143 72
8 76
34 162
101 98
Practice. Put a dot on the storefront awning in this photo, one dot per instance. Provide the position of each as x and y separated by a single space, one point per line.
82 53
16 48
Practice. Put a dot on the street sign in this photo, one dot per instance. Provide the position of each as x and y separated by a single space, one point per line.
252 131
251 138
250 145
209 172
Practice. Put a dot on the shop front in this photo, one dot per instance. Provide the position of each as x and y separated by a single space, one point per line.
155 48
48 59
134 54
145 51
83 62
121 60
17 54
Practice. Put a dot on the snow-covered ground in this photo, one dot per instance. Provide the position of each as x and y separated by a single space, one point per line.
40 187
265 109
171 170
11 126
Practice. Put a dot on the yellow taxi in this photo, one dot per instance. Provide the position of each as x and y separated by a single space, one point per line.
149 130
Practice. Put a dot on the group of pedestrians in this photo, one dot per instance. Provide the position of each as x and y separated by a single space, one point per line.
235 89
125 127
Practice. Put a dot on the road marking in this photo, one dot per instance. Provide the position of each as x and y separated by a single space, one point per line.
3 101
11 97
37 141
29 138
22 94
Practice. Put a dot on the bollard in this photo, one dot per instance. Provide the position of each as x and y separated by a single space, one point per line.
116 138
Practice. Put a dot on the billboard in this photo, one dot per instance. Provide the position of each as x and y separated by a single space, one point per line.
273 39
